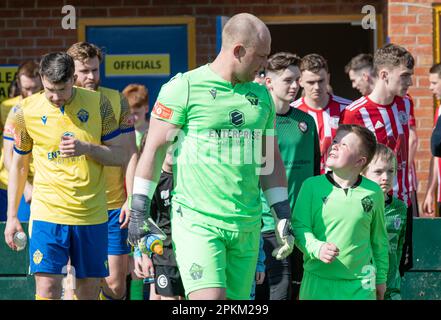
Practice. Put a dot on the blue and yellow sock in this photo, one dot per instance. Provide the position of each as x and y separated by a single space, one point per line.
104 296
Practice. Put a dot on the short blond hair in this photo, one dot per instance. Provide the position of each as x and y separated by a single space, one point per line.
83 51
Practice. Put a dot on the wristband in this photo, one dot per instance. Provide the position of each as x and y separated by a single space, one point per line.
275 195
282 210
137 253
144 186
129 201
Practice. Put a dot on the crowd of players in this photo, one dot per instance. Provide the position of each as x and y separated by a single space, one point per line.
337 178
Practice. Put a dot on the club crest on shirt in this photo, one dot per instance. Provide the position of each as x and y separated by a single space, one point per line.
44 119
367 203
397 223
333 122
196 271
303 126
237 118
252 98
83 115
325 199
403 117
37 257
213 92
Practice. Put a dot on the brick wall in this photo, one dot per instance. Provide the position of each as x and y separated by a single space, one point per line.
30 28
410 23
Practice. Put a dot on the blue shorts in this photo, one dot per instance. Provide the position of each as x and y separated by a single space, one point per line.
24 209
51 245
117 237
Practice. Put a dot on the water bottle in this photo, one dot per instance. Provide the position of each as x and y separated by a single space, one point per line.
20 240
151 244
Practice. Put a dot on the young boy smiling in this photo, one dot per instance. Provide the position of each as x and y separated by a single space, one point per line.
339 224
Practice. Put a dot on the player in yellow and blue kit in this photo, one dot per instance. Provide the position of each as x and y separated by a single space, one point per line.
87 58
28 81
72 133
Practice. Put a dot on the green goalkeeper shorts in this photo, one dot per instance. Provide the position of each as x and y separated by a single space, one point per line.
314 287
211 257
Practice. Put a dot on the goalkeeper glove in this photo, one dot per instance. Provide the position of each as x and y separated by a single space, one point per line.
140 223
285 239
284 235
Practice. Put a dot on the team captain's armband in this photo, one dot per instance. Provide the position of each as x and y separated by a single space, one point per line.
22 141
171 105
110 128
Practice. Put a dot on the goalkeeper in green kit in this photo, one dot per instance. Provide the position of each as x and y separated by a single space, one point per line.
339 224
382 170
222 124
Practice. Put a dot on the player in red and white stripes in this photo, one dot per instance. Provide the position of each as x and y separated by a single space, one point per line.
324 107
361 73
386 112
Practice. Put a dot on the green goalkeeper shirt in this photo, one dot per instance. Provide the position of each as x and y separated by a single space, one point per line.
300 152
395 217
219 147
352 219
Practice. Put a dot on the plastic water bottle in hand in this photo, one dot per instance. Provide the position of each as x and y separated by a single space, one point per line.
151 244
20 240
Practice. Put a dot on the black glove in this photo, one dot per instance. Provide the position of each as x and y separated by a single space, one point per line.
139 214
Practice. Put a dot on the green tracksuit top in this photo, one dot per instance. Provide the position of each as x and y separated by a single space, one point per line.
300 151
352 219
395 213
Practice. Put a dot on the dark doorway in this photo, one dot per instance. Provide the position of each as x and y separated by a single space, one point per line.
337 42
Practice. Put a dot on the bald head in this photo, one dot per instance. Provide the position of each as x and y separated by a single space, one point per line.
246 29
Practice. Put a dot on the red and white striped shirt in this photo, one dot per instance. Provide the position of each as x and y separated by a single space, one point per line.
412 171
390 124
326 121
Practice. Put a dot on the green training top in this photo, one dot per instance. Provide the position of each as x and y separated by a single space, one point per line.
352 219
395 217
300 152
219 148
